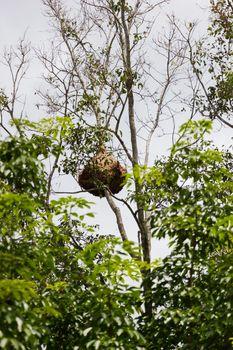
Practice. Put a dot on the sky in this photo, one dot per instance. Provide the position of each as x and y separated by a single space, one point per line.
19 17
27 16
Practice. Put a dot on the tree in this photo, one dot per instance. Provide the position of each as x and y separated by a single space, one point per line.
103 85
62 284
190 197
211 60
52 262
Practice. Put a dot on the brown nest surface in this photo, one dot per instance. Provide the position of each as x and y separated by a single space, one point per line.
102 172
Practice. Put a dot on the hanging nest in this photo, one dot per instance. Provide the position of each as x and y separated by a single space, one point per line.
102 172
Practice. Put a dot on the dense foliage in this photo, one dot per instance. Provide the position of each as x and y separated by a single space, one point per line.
64 286
63 283
191 203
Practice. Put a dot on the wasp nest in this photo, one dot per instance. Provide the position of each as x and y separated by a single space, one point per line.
102 172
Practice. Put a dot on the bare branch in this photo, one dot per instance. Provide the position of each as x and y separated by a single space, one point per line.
117 213
17 62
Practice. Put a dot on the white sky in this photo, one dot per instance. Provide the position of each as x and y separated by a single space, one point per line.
16 16
20 16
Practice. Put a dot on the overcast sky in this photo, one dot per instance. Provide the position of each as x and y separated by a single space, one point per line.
26 16
17 16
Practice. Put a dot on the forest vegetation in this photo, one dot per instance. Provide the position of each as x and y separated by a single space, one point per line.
65 283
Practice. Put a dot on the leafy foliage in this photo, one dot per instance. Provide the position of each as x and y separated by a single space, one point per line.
215 56
192 205
21 172
82 145
61 285
192 303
